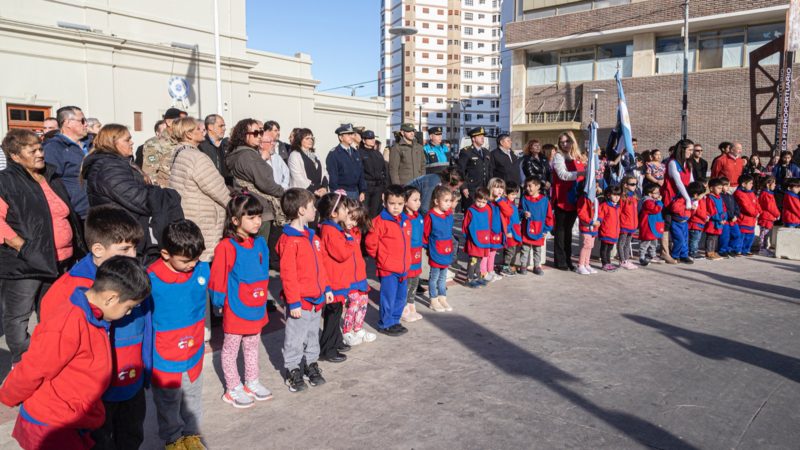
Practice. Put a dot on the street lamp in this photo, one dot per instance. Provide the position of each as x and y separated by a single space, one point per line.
596 93
353 90
402 32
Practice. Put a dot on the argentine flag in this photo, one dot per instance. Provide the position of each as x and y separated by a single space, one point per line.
590 183
624 133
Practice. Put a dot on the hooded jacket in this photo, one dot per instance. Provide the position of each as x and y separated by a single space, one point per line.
250 171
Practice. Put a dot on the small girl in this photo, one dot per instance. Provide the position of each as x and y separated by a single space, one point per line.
608 215
769 213
238 285
476 227
413 202
339 262
512 227
538 215
438 239
497 190
790 214
628 221
651 225
352 327
588 225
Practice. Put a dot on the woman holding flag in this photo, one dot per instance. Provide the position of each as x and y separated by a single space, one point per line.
569 169
677 178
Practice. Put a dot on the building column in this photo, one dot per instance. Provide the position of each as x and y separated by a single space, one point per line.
519 85
644 55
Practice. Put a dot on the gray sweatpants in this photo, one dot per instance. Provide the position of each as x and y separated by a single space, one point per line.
529 251
179 410
647 250
625 246
301 339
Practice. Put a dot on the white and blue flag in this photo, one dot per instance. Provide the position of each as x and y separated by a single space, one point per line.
624 134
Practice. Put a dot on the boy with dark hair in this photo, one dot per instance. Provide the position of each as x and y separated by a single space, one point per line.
389 243
651 224
476 227
791 204
305 289
69 365
111 231
717 218
747 201
679 228
537 221
180 294
512 228
697 223
731 237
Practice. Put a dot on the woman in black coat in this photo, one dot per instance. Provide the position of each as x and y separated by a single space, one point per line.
41 234
535 164
111 177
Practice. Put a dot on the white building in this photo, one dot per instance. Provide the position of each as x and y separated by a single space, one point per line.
452 64
114 60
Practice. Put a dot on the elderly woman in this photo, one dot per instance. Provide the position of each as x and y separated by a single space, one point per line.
40 234
569 169
305 168
249 170
111 178
204 195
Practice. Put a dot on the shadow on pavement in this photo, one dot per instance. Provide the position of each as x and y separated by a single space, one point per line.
719 348
517 361
751 284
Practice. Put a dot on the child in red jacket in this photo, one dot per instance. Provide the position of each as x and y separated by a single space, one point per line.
389 243
628 221
588 224
68 366
769 213
717 217
305 288
651 225
791 204
748 213
697 223
681 212
239 288
357 299
477 230
339 260
413 203
512 228
608 215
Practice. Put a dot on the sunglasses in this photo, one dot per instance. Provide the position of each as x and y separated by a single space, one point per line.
631 184
82 120
564 142
256 133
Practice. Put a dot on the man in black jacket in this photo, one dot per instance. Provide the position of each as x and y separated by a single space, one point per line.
699 165
475 163
504 161
215 145
375 172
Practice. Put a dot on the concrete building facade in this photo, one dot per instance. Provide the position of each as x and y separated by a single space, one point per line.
452 65
560 51
114 59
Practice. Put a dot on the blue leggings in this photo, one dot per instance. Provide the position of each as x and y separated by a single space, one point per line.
731 239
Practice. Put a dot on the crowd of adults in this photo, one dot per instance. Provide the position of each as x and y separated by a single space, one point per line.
190 167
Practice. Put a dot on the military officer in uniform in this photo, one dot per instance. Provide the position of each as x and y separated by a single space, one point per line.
437 153
157 152
475 163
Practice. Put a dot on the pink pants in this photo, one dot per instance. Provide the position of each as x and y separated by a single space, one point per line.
356 311
487 262
586 250
230 353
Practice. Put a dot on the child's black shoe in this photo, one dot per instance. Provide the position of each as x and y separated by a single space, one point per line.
314 374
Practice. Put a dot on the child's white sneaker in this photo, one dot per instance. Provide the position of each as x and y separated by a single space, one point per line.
582 270
352 339
238 398
591 269
366 336
257 390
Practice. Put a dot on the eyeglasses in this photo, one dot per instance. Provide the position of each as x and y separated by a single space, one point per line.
564 142
631 184
256 133
82 120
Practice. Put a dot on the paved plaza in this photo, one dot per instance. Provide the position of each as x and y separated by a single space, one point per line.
704 356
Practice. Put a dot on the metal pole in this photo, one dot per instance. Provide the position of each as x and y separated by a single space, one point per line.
420 118
402 79
685 108
218 68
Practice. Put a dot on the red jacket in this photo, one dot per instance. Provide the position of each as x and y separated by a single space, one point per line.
303 274
791 209
66 369
717 215
469 246
769 210
629 213
699 216
679 211
361 265
748 210
60 292
586 216
389 243
507 210
608 215
564 195
729 167
338 256
651 222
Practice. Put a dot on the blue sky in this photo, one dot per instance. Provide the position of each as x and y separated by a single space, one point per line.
342 37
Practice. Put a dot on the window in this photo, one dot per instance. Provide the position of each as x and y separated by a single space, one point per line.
480 45
495 103
424 99
481 31
494 47
440 56
440 12
425 40
468 103
718 49
438 115
439 100
542 68
609 55
760 35
467 89
439 85
468 2
494 89
439 71
467 74
440 42
494 76
467 117
467 16
425 25
669 54
479 116
425 70
468 31
26 117
467 45
467 59
577 66
480 102
440 26
496 18
480 59
424 85
425 55
481 16
426 10
482 2
480 88
481 74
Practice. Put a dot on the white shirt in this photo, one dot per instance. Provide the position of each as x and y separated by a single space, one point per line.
280 171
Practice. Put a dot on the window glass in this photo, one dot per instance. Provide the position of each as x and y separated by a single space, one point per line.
542 68
579 67
669 54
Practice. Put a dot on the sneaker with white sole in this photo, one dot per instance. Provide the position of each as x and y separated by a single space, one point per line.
591 269
207 334
366 336
352 339
257 390
627 265
581 270
238 398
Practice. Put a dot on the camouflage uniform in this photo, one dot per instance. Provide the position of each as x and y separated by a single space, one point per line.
157 154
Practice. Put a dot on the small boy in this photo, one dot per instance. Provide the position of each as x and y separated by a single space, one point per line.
538 215
68 366
731 237
389 244
476 227
749 211
608 215
717 218
697 223
305 288
509 216
679 227
769 213
180 293
111 231
651 224
791 204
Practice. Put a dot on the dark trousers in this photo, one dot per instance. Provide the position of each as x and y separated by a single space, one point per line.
331 337
373 200
124 425
275 233
679 233
712 243
562 232
605 252
20 298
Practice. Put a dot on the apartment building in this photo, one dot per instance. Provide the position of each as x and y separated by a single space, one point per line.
562 52
452 67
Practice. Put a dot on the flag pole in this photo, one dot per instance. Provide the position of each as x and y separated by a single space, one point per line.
685 102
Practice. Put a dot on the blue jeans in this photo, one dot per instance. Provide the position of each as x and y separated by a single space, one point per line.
393 300
731 239
694 241
679 234
747 243
437 282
